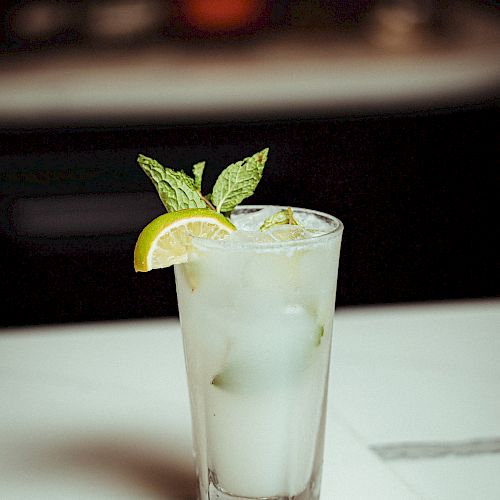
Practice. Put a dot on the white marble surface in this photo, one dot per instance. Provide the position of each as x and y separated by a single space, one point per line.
420 385
101 410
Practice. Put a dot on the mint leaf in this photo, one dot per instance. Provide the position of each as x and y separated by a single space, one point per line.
241 379
177 190
222 381
318 336
279 218
198 174
238 181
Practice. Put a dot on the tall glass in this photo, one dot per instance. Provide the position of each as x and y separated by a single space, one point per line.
257 326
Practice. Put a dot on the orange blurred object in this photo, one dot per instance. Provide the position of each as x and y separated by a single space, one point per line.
222 15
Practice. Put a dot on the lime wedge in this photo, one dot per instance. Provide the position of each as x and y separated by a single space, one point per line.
166 240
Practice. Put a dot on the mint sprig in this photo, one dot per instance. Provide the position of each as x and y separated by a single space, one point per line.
238 181
198 174
178 190
279 218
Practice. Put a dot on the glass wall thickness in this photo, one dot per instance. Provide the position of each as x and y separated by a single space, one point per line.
257 325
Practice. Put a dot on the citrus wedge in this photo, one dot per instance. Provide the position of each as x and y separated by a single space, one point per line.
166 240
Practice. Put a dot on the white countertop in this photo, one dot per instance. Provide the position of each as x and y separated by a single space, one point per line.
101 410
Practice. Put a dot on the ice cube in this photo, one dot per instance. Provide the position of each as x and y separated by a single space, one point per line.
290 232
313 223
250 237
251 221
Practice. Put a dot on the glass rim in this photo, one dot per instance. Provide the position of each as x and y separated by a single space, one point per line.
335 233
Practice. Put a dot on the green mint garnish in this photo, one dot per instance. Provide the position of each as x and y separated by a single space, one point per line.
241 380
198 174
220 381
319 335
238 181
279 218
177 190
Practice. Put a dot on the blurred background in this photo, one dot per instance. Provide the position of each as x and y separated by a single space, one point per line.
384 113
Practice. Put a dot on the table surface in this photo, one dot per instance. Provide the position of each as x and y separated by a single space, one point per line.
100 410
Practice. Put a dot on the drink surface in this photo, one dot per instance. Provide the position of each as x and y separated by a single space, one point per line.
257 319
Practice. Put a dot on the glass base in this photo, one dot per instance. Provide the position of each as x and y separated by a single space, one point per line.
214 493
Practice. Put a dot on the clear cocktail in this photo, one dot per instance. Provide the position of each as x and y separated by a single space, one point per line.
256 312
256 300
